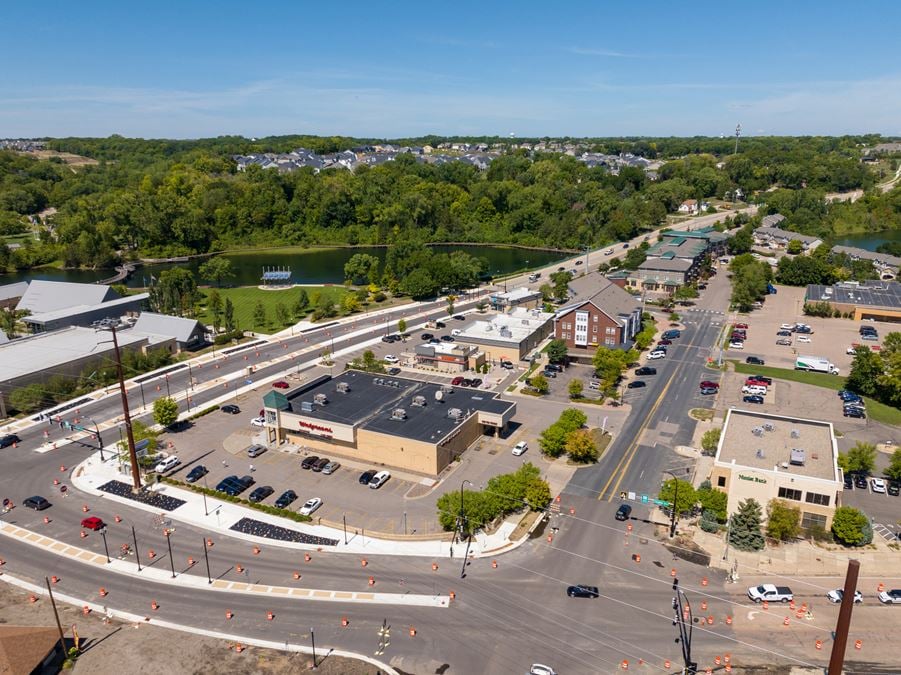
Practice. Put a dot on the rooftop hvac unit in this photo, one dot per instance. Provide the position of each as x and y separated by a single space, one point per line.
306 406
455 413
419 401
797 457
343 387
760 453
489 327
769 426
796 433
505 332
398 414
784 465
757 431
320 399
447 389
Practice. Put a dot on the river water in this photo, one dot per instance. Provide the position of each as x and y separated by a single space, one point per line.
869 240
308 266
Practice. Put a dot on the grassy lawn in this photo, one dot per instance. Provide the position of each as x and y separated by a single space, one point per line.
245 299
876 410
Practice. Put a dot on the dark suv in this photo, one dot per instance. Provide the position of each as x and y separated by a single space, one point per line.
308 462
624 512
754 361
582 591
7 441
645 370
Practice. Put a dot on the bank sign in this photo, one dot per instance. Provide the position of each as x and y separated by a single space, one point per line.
752 479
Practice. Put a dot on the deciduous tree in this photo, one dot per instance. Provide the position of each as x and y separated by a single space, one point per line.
165 411
783 520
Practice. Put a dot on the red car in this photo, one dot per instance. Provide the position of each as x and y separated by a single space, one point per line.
751 382
281 384
457 381
664 341
740 326
708 383
93 523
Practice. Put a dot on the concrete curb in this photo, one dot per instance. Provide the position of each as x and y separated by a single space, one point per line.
162 576
137 620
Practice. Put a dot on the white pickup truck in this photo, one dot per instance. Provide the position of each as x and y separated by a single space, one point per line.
770 593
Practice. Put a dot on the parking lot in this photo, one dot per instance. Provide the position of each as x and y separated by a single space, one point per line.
830 338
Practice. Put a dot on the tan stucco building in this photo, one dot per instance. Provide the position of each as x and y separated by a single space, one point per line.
764 457
385 421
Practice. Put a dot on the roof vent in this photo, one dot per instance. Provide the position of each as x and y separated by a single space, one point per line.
769 426
447 389
796 433
784 465
306 406
398 414
320 399
797 457
455 413
439 395
760 453
757 431
419 401
342 387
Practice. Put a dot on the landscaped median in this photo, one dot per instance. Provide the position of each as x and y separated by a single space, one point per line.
879 412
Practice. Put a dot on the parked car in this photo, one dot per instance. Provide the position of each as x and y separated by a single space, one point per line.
320 464
636 384
366 476
258 422
860 481
849 482
466 382
803 338
379 479
755 361
309 506
754 398
787 326
261 493
645 370
709 390
390 358
624 512
92 523
743 326
426 336
656 354
877 485
286 499
894 489
167 463
582 591
308 462
892 597
540 668
520 448
37 503
664 341
447 338
784 333
837 595
709 385
457 381
785 342
8 440
393 371
281 384
857 413
556 367
549 373
507 365
230 409
196 473
476 382
255 450
672 334
459 317
330 468
768 381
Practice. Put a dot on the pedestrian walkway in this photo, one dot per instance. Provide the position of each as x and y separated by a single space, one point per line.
123 565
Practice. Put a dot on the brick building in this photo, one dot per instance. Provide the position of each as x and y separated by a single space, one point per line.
606 315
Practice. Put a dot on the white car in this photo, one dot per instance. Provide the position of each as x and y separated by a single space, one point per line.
736 345
258 422
456 331
656 354
609 251
787 326
836 596
520 448
541 669
877 485
171 462
803 338
753 389
309 506
379 479
390 358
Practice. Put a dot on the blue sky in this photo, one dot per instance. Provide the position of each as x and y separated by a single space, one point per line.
389 69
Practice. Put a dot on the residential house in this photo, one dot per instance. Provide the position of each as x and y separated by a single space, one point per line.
30 650
775 237
886 265
689 207
603 314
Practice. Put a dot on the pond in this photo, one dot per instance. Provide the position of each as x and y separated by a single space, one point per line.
869 240
308 266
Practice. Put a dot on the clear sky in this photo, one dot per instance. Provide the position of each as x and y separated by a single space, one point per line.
189 68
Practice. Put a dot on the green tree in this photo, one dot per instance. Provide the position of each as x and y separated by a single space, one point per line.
540 383
893 470
29 398
325 308
217 270
229 315
742 241
402 326
165 411
282 315
890 380
301 303
214 304
556 351
537 494
350 304
744 527
866 369
259 315
175 292
685 497
418 284
572 419
575 388
861 457
552 440
580 446
561 285
450 304
850 525
783 520
547 292
713 501
362 268
794 247
711 440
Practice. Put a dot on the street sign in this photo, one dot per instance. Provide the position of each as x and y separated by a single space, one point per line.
644 499
661 502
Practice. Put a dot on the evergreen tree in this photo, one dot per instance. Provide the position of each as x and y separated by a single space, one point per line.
744 527
229 315
302 303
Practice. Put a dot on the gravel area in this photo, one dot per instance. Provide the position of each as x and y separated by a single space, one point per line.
260 529
157 501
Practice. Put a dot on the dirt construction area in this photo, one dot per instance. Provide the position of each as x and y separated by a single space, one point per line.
830 338
110 649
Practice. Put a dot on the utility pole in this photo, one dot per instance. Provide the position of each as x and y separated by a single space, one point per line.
129 435
837 658
685 621
59 626
672 523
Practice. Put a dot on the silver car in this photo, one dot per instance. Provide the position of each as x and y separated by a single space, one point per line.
330 468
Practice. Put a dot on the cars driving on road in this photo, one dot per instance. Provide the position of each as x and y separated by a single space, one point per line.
540 668
286 499
624 512
520 448
892 597
9 440
37 503
837 595
755 361
92 523
309 506
582 591
196 473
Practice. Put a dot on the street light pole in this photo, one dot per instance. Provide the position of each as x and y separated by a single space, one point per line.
105 547
137 555
99 440
206 557
462 523
672 524
313 641
344 522
683 615
168 536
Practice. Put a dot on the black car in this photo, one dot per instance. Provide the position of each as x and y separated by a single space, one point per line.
37 503
476 382
286 498
645 370
549 373
261 493
231 486
426 337
446 338
465 382
556 367
582 591
860 481
894 489
784 333
366 476
754 398
230 409
857 413
636 384
196 473
561 269
849 483
8 440
388 338
308 462
459 317
623 512
393 371
246 481
439 324
320 464
755 361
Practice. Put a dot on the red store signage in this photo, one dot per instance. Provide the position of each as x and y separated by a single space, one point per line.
315 427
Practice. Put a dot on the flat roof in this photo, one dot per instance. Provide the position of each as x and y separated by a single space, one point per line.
520 293
868 294
45 351
763 441
680 247
372 398
510 328
113 306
